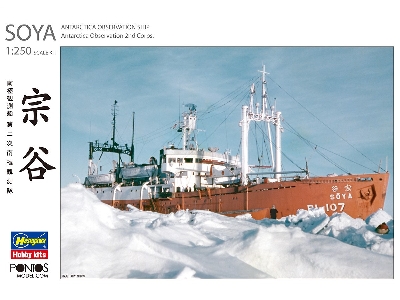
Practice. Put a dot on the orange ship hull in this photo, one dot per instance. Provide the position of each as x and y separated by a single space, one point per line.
356 195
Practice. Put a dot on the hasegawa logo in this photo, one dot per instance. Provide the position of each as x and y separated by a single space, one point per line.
29 245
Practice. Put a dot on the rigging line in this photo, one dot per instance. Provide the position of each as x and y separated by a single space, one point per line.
223 121
214 113
283 153
266 147
155 133
314 146
152 136
265 143
156 138
225 117
239 147
178 137
243 92
331 161
226 135
156 152
122 132
140 151
323 122
233 95
292 130
262 152
164 128
239 96
238 90
120 135
255 138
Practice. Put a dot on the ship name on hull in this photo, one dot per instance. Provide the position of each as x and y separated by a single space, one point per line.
340 195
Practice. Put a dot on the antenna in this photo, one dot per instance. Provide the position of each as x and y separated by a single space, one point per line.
264 92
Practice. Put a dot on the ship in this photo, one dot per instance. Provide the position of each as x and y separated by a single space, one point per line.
192 178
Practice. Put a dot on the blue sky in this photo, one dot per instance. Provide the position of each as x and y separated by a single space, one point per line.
339 99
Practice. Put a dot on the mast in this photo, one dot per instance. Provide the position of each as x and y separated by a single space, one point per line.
113 122
249 114
245 139
264 101
133 137
114 147
278 150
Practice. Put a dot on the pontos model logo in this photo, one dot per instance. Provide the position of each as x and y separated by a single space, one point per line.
28 245
29 268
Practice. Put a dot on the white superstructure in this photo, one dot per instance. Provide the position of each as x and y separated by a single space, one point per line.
188 168
191 168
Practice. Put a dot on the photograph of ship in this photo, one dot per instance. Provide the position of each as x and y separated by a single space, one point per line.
205 159
227 162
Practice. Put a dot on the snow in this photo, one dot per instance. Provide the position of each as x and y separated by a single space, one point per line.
99 241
